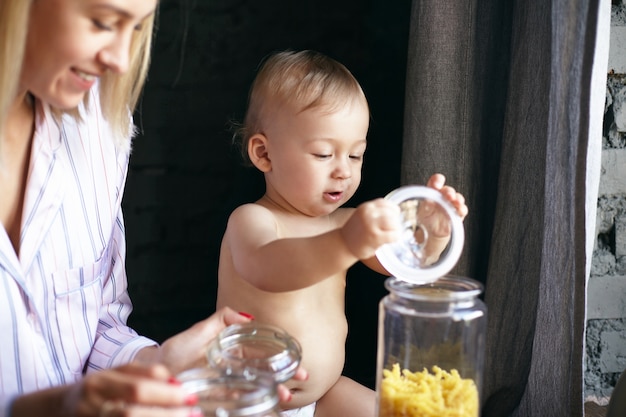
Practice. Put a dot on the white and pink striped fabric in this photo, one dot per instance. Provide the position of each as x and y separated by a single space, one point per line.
64 300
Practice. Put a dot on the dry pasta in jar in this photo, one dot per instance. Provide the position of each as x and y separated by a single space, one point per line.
427 394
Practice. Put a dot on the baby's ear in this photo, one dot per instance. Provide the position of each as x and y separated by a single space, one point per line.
257 151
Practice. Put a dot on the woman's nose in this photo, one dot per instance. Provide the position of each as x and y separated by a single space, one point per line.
116 55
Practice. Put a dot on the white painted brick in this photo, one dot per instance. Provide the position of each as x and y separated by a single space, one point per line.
613 180
617 49
606 297
613 355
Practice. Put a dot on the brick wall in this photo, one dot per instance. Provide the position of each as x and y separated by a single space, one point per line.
606 303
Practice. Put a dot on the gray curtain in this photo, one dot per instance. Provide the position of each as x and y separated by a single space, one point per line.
498 100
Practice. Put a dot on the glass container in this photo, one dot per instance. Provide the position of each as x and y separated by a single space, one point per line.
431 330
431 342
222 395
253 349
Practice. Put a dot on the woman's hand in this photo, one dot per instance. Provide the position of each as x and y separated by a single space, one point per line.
129 390
187 349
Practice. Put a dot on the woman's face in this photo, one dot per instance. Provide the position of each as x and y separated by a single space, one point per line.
71 43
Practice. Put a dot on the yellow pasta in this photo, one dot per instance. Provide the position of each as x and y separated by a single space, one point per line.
424 394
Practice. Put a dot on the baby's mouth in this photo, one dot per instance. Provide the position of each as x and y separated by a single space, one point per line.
335 195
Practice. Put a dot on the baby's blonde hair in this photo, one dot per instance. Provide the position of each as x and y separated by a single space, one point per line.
119 94
302 80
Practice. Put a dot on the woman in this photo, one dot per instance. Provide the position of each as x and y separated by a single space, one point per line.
71 72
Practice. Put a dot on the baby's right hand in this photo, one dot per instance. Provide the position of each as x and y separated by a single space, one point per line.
371 225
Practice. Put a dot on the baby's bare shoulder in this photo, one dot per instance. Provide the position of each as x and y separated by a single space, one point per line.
251 213
250 223
251 209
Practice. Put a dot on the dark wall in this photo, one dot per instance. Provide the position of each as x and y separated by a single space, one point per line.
185 177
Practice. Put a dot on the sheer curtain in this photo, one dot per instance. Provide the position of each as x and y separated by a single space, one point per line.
502 98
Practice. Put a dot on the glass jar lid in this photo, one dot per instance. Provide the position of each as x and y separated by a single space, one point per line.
253 349
230 395
432 240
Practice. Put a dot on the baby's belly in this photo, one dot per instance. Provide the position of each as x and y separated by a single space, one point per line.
314 316
323 356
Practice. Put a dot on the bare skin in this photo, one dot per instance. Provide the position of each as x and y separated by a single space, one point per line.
320 305
285 257
14 158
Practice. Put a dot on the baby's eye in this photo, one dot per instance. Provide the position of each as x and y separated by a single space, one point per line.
356 157
321 155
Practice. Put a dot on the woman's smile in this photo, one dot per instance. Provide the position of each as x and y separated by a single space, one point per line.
83 80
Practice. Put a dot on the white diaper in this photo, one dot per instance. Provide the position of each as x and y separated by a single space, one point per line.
306 411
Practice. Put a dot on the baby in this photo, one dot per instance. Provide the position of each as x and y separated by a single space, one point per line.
284 258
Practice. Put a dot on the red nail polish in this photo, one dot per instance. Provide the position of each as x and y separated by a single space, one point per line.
173 381
191 399
246 315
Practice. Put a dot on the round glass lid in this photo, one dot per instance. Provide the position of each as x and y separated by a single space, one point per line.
432 240
252 349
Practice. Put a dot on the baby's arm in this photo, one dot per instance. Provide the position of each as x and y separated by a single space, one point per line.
274 263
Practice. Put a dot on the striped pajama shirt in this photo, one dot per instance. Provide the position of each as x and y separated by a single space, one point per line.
64 300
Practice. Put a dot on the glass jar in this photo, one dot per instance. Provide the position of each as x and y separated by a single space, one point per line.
431 340
255 349
231 395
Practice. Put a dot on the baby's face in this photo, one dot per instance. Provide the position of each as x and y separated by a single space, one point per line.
316 156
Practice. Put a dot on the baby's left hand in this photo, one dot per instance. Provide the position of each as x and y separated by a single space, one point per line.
437 181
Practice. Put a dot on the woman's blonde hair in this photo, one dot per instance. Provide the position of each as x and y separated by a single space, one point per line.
304 79
119 94
13 29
